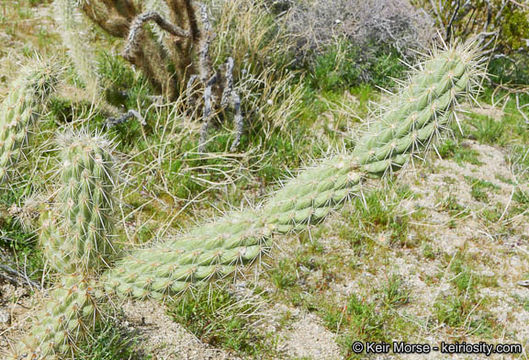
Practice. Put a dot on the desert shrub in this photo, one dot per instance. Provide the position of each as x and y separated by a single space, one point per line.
373 23
347 42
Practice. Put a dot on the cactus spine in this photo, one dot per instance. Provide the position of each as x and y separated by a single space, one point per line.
18 112
217 248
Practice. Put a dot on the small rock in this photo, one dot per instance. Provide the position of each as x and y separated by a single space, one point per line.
524 283
5 317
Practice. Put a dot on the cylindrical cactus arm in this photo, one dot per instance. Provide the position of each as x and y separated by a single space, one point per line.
76 244
68 16
313 194
427 101
210 251
19 110
217 248
69 314
81 240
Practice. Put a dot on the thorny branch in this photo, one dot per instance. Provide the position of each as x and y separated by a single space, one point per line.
228 87
205 67
133 40
206 116
214 90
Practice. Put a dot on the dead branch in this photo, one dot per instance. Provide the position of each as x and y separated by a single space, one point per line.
228 85
16 278
206 115
133 41
238 120
112 121
205 67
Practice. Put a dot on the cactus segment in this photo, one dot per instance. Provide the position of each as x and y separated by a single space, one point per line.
76 244
79 238
315 192
211 251
68 16
86 199
68 316
18 112
446 78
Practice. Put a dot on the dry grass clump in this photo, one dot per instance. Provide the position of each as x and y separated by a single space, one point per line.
316 24
250 33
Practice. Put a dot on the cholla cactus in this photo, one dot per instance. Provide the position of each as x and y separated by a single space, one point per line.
166 60
68 316
68 17
218 248
19 110
76 245
173 55
80 241
420 110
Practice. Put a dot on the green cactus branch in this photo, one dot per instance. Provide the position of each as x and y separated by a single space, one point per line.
216 249
68 16
19 110
81 240
76 237
69 315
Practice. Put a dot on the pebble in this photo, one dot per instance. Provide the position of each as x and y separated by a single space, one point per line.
5 317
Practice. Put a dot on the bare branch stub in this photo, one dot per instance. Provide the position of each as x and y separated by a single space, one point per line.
228 85
206 116
238 120
218 88
112 121
228 98
205 66
231 97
